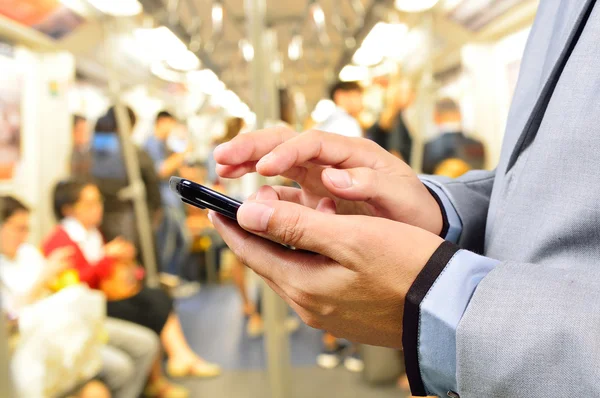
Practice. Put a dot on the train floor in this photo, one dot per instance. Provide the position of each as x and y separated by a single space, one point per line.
213 323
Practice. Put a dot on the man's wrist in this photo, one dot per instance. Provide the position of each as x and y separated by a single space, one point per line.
444 224
450 217
411 318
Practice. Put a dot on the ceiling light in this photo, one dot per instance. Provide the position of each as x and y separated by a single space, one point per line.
159 69
118 8
353 73
323 111
247 50
450 4
239 109
184 61
382 41
159 42
295 48
415 5
318 15
205 81
250 119
277 66
386 68
217 16
367 56
225 98
476 14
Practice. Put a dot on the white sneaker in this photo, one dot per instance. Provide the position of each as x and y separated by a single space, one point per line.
291 324
185 289
354 364
328 360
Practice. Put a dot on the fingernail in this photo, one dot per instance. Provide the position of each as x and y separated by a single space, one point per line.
219 147
265 159
255 216
260 195
210 217
339 178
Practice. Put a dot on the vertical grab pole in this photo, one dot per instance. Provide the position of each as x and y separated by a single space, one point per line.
136 185
265 104
5 379
424 98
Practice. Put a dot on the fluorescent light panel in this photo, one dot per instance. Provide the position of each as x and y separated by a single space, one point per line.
353 73
161 44
415 5
118 8
206 81
476 14
323 110
382 41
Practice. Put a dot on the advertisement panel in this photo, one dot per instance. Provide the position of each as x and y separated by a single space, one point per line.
49 17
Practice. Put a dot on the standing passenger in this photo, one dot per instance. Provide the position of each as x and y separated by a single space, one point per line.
173 237
80 157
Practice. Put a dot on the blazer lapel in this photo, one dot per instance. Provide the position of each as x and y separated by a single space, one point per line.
537 115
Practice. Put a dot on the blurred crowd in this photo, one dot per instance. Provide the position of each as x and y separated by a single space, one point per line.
92 261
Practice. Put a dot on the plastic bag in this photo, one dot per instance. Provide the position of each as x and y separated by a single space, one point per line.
60 343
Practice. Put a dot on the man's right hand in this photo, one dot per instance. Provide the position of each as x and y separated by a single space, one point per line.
360 176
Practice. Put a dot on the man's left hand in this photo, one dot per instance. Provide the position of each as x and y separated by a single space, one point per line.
352 273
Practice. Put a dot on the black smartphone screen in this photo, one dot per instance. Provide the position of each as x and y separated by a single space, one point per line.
205 198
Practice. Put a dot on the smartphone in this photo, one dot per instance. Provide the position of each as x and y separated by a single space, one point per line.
205 198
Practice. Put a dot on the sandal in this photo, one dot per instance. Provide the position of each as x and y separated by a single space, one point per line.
199 369
161 388
255 326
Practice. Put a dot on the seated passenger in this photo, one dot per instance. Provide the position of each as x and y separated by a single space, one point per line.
94 389
110 268
25 277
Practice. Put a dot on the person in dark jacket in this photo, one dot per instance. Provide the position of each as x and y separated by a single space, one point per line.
390 131
108 169
451 143
80 157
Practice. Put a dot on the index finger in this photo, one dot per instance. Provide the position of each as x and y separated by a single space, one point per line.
251 146
325 149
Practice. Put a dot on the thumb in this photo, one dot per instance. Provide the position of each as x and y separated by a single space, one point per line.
318 231
358 184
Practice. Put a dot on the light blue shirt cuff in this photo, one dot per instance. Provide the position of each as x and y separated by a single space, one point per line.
454 222
441 311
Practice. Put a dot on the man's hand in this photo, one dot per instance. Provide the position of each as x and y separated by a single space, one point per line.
361 177
353 275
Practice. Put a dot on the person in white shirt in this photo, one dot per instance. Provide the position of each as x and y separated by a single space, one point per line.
24 277
348 98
